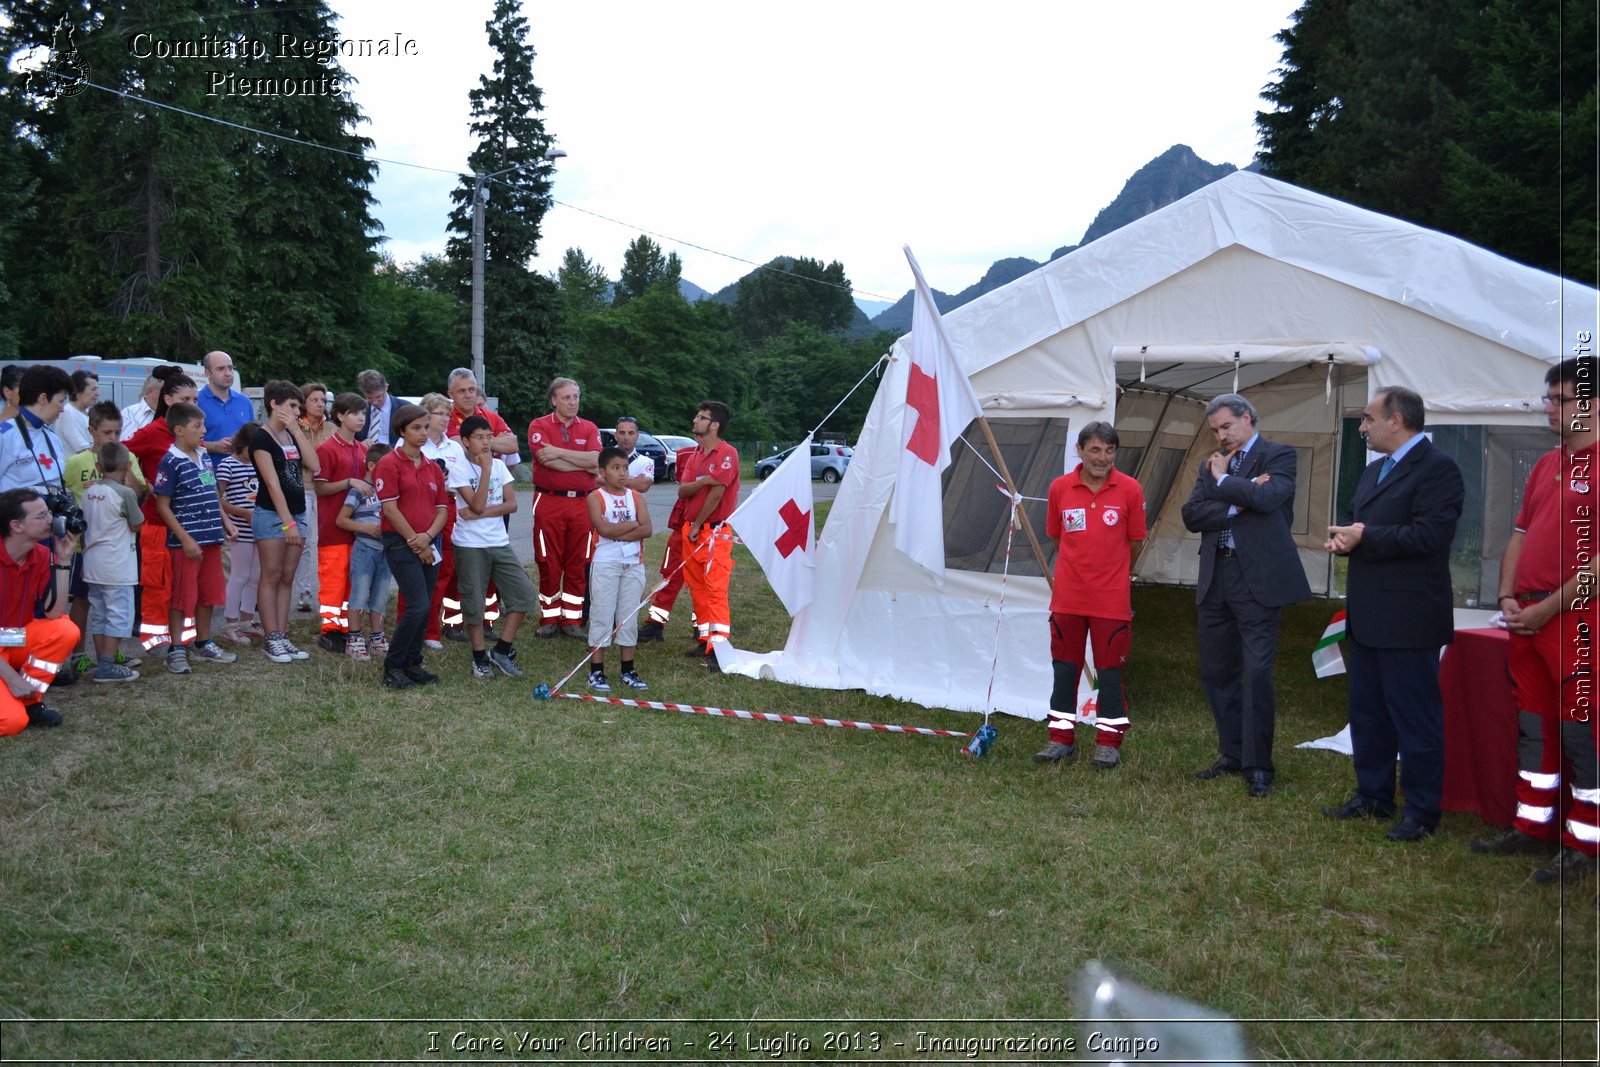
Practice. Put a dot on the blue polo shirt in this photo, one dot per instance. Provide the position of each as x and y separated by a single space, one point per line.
224 417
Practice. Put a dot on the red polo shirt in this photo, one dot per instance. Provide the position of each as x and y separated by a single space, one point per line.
337 461
21 585
1558 511
580 435
721 463
497 425
1093 531
418 487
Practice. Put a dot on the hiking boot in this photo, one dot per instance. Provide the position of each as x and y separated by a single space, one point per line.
420 676
597 682
489 636
1512 843
397 680
212 652
39 715
547 631
632 680
651 631
1570 866
697 650
1106 757
574 630
66 676
1054 752
507 662
332 641
356 649
115 673
482 670
178 661
457 634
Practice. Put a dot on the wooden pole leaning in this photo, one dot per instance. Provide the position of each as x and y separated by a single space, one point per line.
1011 487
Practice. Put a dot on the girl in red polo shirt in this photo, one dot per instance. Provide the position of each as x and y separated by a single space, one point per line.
411 489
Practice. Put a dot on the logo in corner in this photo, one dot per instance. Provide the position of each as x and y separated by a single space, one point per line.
60 71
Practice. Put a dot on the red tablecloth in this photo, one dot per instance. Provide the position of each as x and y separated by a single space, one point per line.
1480 726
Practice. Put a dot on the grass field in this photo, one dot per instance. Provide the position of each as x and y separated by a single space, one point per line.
276 844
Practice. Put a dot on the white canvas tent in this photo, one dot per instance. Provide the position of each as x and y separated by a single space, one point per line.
1305 304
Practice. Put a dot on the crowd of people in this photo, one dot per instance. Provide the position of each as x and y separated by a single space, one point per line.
420 496
156 515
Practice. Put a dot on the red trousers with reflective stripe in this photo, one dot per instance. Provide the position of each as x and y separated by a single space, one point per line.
672 571
1109 640
563 542
1553 673
333 587
155 574
706 572
49 643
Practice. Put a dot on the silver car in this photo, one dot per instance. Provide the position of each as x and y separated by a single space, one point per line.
828 462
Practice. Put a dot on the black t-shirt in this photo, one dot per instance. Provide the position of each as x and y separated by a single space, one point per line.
286 463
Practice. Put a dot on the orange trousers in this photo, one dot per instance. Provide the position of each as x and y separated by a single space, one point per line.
49 643
706 571
333 585
155 575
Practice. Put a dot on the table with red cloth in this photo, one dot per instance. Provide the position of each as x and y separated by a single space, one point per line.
1480 726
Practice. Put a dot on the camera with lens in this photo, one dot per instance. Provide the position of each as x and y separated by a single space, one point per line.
65 514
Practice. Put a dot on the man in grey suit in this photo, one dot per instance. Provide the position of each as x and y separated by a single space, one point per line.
1243 505
1397 536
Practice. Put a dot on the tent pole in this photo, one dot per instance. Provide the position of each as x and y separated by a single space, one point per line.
1011 487
1338 457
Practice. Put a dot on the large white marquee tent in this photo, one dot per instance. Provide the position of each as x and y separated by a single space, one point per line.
1305 304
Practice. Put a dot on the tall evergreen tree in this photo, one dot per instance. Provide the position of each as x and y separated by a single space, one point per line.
304 221
521 308
643 266
583 283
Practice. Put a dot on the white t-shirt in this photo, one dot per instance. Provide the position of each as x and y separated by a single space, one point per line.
72 426
478 533
639 464
111 510
619 509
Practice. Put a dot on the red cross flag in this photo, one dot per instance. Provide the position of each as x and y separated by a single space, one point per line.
776 526
939 405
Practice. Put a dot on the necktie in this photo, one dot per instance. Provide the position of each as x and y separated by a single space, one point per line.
1236 462
1388 465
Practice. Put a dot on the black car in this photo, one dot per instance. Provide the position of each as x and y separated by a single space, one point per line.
647 446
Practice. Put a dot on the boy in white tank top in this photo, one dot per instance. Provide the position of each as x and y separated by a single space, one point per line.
616 579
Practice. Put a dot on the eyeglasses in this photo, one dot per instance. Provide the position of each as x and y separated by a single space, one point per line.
697 418
1557 401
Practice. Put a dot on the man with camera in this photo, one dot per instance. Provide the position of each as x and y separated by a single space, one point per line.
36 637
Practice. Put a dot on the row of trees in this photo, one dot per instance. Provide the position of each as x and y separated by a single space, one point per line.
131 228
1476 117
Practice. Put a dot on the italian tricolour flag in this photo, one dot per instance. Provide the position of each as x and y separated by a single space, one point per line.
1326 657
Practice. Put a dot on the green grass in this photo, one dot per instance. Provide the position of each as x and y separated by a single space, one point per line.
266 842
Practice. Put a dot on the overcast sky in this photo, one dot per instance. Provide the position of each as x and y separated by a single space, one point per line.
826 129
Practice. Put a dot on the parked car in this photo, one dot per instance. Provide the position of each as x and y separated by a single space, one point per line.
828 462
673 443
648 445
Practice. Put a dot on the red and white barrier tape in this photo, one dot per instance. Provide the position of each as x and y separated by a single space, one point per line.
764 716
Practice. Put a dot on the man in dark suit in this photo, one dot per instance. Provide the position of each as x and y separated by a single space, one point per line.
1243 505
1397 536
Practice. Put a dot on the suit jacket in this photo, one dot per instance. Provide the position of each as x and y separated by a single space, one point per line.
1399 583
1268 557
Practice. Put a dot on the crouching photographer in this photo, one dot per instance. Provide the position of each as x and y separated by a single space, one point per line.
36 637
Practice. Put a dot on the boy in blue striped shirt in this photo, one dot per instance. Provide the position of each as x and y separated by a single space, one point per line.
187 500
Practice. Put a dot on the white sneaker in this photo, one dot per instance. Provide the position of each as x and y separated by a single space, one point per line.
356 649
294 653
178 661
597 682
437 646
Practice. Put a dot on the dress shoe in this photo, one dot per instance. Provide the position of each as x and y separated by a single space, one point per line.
1218 769
1408 829
1513 843
1360 808
1258 783
1570 866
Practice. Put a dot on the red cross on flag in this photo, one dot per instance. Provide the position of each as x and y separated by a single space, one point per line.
939 405
776 526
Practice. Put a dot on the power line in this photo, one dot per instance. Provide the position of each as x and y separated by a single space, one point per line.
454 173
